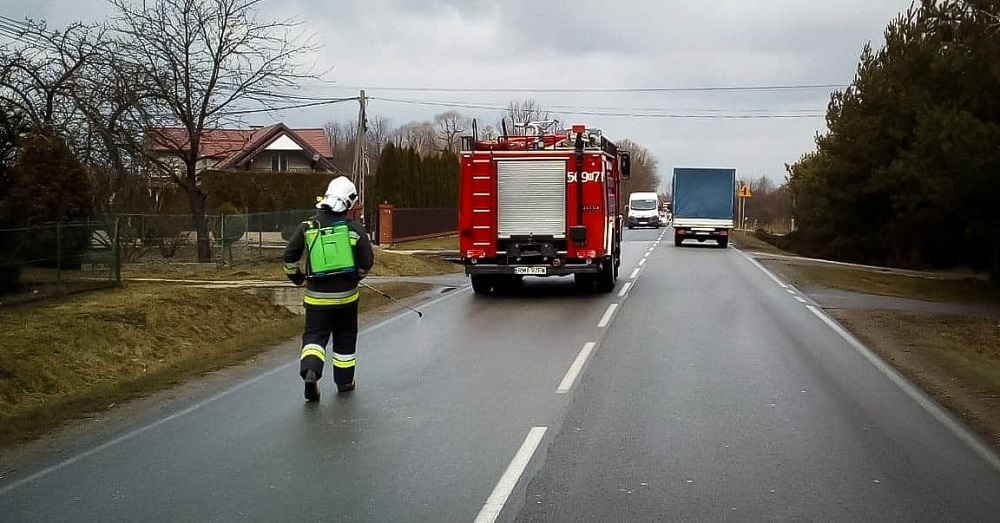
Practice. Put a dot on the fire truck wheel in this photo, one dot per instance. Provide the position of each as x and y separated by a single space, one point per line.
606 278
481 284
723 242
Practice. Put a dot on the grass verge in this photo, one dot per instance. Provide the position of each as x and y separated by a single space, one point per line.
869 281
439 243
390 263
62 361
954 359
749 242
387 263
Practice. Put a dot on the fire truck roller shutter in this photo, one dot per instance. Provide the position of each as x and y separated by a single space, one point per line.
531 197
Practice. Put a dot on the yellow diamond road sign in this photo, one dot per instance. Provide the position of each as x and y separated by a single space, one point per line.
745 192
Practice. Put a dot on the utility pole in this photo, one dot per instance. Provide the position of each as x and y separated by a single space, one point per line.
360 167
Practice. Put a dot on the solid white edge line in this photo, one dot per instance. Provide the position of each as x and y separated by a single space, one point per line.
498 498
145 428
635 274
922 399
574 370
607 316
625 289
764 269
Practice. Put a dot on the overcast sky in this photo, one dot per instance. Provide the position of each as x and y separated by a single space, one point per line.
522 44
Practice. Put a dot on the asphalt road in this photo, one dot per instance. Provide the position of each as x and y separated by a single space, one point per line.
705 391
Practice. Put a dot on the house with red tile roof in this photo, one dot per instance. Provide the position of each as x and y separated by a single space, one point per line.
275 148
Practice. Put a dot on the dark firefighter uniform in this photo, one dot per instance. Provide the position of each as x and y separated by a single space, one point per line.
337 255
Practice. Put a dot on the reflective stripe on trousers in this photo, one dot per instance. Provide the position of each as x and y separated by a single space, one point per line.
314 350
331 298
343 361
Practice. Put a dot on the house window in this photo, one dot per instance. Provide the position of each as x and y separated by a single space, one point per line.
279 162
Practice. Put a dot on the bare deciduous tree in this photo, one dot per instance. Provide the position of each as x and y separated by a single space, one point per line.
203 61
449 126
524 111
644 168
38 73
418 135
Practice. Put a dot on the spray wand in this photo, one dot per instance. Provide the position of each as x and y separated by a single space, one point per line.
384 295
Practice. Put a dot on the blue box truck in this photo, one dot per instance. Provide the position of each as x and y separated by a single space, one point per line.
703 204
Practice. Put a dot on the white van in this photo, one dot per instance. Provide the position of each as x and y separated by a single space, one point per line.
643 210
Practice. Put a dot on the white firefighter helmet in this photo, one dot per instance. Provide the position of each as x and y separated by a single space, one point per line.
340 195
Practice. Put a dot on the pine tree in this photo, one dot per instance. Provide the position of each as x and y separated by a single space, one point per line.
48 184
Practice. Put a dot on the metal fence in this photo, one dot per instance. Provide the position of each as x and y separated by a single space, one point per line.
57 258
233 238
418 223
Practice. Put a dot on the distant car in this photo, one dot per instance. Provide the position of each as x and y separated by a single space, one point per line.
643 210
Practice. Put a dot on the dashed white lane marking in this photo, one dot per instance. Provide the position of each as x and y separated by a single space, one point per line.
914 393
574 370
625 289
607 316
642 262
635 274
800 299
498 498
790 291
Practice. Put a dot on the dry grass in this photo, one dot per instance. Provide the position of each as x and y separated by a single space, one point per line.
922 287
439 243
62 360
389 263
748 242
955 359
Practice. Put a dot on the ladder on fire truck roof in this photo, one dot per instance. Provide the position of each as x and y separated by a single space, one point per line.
543 138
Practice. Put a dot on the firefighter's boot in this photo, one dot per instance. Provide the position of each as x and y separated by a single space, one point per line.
311 386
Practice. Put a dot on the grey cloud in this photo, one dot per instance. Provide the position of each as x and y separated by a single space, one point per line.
589 43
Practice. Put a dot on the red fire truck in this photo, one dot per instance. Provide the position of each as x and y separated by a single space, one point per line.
542 204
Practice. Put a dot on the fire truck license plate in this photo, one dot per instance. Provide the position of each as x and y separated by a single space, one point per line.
529 270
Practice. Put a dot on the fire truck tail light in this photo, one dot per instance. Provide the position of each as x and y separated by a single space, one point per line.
591 253
475 253
723 233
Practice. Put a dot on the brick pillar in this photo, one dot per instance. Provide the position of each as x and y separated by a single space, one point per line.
385 223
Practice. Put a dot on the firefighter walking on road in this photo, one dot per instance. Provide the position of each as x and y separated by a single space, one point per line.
337 255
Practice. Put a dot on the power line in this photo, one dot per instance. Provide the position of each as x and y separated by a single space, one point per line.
616 113
296 106
601 89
